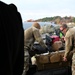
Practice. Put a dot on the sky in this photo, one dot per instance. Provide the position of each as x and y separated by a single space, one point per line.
37 9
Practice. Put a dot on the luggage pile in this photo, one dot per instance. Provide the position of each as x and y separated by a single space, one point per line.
54 57
51 60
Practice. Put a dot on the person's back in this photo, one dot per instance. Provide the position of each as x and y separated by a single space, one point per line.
11 40
29 38
32 34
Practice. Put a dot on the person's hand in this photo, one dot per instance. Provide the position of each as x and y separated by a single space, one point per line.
33 60
64 59
63 38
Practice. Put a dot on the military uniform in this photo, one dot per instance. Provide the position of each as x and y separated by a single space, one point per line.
70 46
47 29
31 34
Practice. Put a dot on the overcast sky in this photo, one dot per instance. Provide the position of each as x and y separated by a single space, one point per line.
35 9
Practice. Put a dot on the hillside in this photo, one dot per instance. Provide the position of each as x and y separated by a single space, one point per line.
58 19
55 19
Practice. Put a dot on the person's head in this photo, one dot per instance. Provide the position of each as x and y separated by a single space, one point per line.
13 6
36 25
64 28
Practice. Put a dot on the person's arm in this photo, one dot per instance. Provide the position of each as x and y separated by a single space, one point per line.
68 46
38 38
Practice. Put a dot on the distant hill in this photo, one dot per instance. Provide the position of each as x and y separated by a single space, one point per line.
56 19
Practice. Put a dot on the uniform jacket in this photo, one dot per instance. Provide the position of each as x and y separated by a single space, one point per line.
31 35
69 41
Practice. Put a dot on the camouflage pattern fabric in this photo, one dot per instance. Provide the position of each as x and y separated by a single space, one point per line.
70 46
47 29
26 60
73 64
69 41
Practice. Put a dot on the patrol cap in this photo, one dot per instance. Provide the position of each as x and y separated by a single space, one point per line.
35 24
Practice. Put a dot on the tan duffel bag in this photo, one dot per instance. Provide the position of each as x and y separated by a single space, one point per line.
57 45
56 56
51 60
43 58
50 57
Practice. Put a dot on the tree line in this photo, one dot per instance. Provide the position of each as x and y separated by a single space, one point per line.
57 19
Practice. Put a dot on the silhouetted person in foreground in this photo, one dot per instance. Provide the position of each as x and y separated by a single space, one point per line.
11 40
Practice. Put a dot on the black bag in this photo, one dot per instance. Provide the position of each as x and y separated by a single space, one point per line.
38 49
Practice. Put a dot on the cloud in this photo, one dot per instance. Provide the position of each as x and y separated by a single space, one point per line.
35 9
37 14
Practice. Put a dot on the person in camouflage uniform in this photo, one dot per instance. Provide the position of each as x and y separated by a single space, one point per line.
31 34
69 44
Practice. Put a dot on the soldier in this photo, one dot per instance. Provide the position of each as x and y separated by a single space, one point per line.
31 34
69 44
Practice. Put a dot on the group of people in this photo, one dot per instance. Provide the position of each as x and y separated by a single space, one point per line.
69 37
16 42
